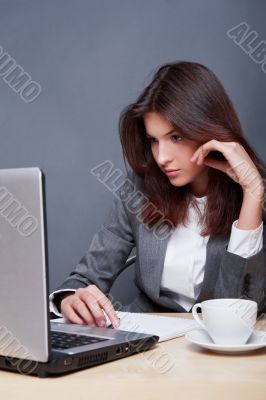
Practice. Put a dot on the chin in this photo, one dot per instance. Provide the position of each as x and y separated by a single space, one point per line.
178 182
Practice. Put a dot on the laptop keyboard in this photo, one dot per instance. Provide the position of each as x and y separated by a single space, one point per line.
63 341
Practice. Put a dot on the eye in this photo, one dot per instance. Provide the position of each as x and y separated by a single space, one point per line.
151 139
176 138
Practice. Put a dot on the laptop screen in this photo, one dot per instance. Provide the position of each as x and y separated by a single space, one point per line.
23 265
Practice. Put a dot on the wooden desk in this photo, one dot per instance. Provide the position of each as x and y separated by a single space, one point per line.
193 373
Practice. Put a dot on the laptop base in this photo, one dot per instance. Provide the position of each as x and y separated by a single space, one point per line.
62 363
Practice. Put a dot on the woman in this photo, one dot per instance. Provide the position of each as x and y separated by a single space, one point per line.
191 162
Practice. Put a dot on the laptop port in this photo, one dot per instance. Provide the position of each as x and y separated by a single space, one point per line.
127 348
68 361
119 350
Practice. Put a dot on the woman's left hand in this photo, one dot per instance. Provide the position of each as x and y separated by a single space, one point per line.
238 164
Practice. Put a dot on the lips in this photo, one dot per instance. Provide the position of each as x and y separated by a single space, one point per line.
171 172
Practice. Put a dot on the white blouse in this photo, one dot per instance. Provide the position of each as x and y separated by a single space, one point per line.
185 258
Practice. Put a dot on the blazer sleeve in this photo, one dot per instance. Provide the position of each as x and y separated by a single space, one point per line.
244 278
109 249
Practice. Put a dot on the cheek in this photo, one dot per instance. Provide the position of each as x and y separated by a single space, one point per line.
192 167
185 157
186 154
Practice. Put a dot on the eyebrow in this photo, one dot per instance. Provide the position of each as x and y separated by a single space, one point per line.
166 134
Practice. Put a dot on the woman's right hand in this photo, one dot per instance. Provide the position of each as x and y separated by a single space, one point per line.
86 306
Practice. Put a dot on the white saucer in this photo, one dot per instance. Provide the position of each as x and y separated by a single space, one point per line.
201 338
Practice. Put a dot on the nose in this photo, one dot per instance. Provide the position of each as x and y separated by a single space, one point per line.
164 155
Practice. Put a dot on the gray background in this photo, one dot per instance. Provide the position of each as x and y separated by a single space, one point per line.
92 58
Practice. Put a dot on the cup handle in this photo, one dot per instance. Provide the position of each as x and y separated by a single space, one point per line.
196 317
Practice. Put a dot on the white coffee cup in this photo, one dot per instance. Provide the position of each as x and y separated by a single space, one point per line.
227 321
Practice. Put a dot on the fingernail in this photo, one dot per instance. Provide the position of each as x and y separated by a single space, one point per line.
101 323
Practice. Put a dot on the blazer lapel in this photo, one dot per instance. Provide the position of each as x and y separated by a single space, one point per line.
216 247
151 259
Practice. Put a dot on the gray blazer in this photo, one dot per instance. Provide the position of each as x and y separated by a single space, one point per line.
227 275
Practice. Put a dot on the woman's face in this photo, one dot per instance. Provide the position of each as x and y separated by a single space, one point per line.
173 152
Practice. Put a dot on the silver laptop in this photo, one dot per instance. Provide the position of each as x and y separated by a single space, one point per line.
29 342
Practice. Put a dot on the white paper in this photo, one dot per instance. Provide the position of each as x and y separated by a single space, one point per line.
164 327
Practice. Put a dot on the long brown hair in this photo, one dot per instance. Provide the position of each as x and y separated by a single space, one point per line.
194 101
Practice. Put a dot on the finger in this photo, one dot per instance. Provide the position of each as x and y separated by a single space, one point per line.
82 310
92 304
107 306
221 165
71 315
208 147
203 150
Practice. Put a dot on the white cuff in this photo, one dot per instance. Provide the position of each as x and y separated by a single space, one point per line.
245 242
52 305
